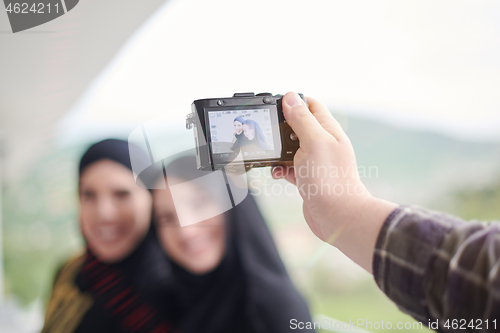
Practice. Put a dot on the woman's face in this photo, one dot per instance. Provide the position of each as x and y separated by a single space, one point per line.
249 131
115 213
198 248
238 127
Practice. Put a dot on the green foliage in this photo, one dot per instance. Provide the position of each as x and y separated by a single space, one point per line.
352 297
478 204
40 225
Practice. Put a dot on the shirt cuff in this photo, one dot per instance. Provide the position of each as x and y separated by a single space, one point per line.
381 241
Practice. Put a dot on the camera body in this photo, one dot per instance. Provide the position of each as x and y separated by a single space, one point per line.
247 130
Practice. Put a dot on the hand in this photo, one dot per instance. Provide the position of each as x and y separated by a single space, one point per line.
337 206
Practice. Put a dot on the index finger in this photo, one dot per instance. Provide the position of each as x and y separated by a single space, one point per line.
325 118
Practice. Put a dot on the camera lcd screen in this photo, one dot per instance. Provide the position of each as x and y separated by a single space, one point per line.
252 132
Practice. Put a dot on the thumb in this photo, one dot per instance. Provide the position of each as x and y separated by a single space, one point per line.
301 120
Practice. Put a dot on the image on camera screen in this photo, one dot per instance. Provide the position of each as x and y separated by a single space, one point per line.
251 132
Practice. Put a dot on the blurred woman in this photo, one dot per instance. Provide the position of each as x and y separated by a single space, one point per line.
224 273
256 138
99 290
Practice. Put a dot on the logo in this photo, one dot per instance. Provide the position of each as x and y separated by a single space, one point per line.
196 195
26 14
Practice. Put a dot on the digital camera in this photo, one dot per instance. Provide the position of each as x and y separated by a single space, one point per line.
241 132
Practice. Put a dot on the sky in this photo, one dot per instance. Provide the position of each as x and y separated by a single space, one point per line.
421 64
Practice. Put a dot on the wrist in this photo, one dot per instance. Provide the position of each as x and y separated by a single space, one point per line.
359 232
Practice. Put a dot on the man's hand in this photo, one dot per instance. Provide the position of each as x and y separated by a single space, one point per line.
337 206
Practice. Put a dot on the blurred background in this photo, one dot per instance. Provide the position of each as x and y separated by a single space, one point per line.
414 83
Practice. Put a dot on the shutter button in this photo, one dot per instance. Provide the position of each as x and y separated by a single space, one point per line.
267 100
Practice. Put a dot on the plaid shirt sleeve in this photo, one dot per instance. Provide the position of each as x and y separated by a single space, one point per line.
438 267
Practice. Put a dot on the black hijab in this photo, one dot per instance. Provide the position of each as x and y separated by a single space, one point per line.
250 290
119 306
259 139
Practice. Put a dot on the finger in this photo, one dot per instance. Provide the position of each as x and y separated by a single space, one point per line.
325 118
306 127
290 176
287 173
278 172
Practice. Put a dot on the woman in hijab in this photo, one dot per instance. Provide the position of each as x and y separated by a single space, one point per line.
256 138
223 274
239 138
99 291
